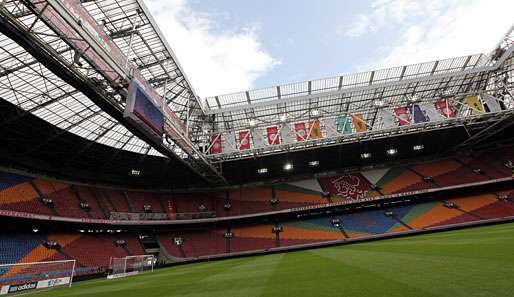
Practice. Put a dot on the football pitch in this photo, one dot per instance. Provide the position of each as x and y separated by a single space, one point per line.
470 262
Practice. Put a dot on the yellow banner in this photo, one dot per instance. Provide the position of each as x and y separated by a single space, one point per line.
475 104
315 129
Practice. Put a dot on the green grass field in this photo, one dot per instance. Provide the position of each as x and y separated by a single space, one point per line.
471 262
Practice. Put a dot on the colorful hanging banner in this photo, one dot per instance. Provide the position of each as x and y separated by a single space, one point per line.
315 129
273 137
258 138
216 147
287 135
475 104
387 118
417 114
358 123
402 116
431 113
344 124
229 143
446 108
244 140
301 131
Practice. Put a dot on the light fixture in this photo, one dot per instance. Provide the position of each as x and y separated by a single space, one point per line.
283 118
379 103
262 170
35 230
252 123
314 113
365 155
314 163
392 151
288 167
418 147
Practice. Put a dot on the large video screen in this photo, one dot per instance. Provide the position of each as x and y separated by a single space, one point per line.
146 111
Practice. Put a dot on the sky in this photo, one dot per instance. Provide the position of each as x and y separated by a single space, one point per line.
226 46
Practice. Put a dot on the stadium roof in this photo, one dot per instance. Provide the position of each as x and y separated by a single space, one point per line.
28 84
348 93
240 100
91 103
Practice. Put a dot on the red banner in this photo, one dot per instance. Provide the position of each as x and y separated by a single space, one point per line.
446 109
273 137
352 187
402 115
216 147
244 140
301 131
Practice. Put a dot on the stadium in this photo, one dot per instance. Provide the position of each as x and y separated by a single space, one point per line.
117 179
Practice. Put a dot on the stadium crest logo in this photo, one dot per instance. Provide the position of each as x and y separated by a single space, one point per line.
349 186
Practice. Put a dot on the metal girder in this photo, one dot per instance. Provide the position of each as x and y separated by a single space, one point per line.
82 81
466 77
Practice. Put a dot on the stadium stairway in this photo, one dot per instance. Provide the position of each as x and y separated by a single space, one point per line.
101 203
129 203
112 204
138 201
88 211
95 208
165 254
125 248
41 195
162 204
400 221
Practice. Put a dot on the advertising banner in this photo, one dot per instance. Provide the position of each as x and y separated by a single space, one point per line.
4 290
22 287
48 283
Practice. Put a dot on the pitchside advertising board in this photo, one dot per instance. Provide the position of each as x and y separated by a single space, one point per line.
48 283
